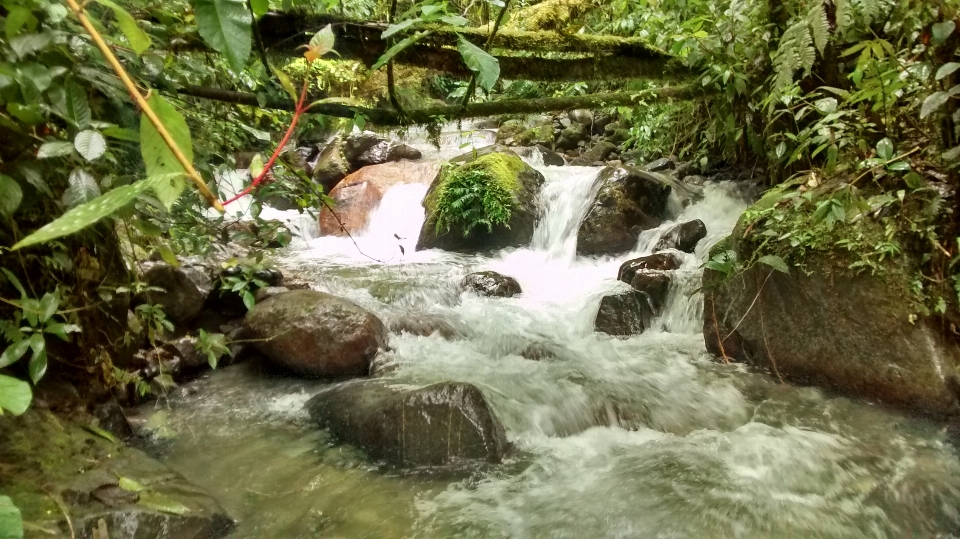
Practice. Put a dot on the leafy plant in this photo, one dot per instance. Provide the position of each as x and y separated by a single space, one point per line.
472 198
212 345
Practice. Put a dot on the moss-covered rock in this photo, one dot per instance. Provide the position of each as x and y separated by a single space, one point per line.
629 202
49 460
486 203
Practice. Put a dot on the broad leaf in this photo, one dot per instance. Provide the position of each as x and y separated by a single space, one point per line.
38 360
17 19
10 195
157 156
28 44
11 523
321 43
885 149
942 31
54 149
947 69
86 214
130 485
225 26
484 66
15 397
260 7
14 352
71 103
120 133
90 144
286 83
394 29
398 48
138 39
162 503
83 188
775 262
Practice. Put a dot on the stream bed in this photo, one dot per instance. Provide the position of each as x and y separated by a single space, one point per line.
644 437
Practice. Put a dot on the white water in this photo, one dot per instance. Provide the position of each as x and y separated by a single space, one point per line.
643 437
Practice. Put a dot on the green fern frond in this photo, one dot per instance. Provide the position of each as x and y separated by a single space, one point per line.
819 27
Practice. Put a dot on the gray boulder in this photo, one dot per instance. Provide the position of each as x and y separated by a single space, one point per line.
438 425
660 165
623 314
330 167
491 283
598 153
315 334
629 201
572 136
185 290
366 148
683 237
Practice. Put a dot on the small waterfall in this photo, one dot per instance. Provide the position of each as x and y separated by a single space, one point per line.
565 200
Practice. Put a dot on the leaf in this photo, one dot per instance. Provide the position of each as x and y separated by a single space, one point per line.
14 352
14 281
942 31
11 523
953 154
947 69
17 19
10 195
260 7
138 39
159 160
86 214
827 105
72 104
397 49
321 43
885 149
28 44
775 262
38 360
256 166
248 299
54 149
286 83
130 485
226 26
484 66
932 103
105 434
162 503
83 188
454 20
49 304
913 180
90 144
394 29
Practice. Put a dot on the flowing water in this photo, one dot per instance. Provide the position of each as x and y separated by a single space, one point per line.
645 437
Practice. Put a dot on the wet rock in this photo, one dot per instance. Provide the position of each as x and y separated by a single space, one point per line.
358 195
509 130
655 262
367 148
439 425
330 167
424 325
623 314
491 283
600 123
695 180
660 165
550 157
541 135
581 116
505 170
315 334
185 290
629 201
270 276
572 136
471 155
835 328
683 237
598 153
269 292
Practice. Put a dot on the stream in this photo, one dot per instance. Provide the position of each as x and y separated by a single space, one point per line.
644 437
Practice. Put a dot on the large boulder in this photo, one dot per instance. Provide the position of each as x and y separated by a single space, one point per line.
359 194
598 153
835 328
624 314
683 237
491 283
330 166
498 175
315 334
185 289
366 148
629 201
438 425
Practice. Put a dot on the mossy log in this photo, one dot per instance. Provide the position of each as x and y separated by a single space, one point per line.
389 117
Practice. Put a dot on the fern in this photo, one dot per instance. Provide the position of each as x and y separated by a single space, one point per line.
819 27
471 199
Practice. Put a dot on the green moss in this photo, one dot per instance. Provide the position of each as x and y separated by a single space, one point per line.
483 192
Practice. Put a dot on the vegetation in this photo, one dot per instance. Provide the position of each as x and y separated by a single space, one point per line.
481 193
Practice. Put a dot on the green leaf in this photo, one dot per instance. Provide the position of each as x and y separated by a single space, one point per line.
14 352
14 281
248 299
162 503
17 19
120 133
484 66
54 149
159 160
321 43
286 83
397 49
29 44
932 103
105 434
38 360
61 330
10 195
90 144
394 29
11 523
913 180
225 26
130 485
71 103
885 149
86 214
83 188
775 262
942 31
138 39
260 7
947 69
15 395
454 20
49 304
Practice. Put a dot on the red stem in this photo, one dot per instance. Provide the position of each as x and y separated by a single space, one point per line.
301 108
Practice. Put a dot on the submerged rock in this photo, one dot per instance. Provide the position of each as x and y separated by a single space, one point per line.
835 328
624 314
438 425
683 237
185 290
491 283
629 201
424 325
504 172
315 334
358 195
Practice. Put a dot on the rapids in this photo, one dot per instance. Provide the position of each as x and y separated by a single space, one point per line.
645 437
